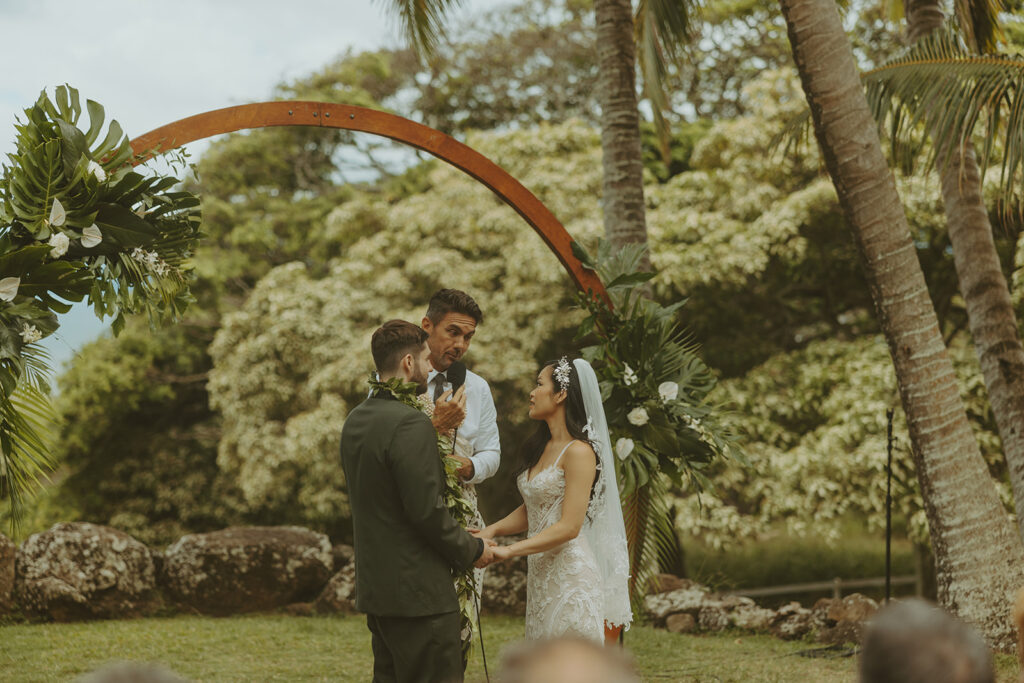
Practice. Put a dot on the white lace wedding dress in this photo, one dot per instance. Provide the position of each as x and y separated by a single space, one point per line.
564 592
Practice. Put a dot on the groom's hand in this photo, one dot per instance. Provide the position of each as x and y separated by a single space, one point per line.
449 414
487 556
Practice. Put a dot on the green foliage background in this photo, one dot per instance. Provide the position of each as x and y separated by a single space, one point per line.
315 237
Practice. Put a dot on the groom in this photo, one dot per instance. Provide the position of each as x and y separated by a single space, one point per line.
406 542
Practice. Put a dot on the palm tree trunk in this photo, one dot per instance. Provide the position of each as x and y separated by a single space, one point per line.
979 557
982 283
622 161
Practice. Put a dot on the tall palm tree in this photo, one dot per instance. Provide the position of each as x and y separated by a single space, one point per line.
979 557
983 286
660 28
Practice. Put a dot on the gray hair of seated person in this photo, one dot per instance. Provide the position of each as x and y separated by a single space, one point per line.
566 659
913 641
132 672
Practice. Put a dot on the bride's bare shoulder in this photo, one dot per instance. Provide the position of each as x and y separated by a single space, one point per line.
580 453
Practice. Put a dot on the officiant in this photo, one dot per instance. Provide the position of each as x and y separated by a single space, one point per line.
450 323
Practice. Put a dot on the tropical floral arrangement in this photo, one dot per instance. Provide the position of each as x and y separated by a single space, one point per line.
454 498
76 222
656 392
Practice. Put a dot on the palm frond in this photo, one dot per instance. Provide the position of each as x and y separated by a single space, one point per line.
938 86
27 420
939 89
663 29
422 22
650 536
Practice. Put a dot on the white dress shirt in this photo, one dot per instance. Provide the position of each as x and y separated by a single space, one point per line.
480 428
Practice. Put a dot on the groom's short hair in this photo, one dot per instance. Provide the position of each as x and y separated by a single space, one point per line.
392 341
447 301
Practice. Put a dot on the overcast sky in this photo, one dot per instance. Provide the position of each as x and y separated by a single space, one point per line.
150 63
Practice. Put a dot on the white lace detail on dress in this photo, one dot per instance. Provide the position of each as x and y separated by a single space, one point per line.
563 588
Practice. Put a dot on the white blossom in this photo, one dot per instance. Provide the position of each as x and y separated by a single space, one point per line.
9 288
59 241
623 447
96 170
57 214
628 376
91 236
668 391
638 416
30 333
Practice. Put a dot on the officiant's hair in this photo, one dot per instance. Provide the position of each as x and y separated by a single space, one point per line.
575 421
447 301
392 341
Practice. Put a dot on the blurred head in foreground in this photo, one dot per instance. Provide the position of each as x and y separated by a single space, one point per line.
913 641
566 660
132 672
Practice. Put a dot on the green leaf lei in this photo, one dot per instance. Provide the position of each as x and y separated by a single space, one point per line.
454 499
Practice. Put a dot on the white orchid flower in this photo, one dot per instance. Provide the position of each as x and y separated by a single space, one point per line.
638 416
9 288
60 242
623 447
91 236
628 376
57 214
96 170
668 391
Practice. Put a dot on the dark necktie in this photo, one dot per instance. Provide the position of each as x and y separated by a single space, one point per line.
439 380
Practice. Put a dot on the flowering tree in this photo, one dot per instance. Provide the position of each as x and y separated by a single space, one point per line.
76 222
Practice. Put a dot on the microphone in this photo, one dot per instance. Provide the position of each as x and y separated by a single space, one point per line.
456 375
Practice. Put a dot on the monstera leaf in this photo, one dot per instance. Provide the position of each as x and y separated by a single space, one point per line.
76 222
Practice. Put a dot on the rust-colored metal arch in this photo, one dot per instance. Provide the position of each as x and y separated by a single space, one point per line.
326 115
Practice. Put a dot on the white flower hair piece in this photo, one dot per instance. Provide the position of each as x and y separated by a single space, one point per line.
561 374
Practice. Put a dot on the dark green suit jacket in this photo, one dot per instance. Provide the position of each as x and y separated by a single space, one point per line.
406 542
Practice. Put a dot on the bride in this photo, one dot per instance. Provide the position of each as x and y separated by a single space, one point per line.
578 567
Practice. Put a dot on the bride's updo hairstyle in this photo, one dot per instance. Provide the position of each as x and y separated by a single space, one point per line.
575 418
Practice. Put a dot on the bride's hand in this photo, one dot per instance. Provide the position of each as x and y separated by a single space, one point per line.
482 533
501 553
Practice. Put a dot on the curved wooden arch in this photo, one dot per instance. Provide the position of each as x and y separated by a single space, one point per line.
348 117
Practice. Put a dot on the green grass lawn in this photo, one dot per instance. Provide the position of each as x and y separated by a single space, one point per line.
285 648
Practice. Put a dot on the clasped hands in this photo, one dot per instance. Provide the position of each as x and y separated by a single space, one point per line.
492 551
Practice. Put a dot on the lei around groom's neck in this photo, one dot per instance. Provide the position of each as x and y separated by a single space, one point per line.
406 392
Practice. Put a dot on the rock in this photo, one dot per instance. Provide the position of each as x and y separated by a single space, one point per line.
854 607
247 569
842 632
712 616
339 594
680 623
842 621
343 554
78 570
504 590
665 583
8 553
687 600
791 621
752 618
